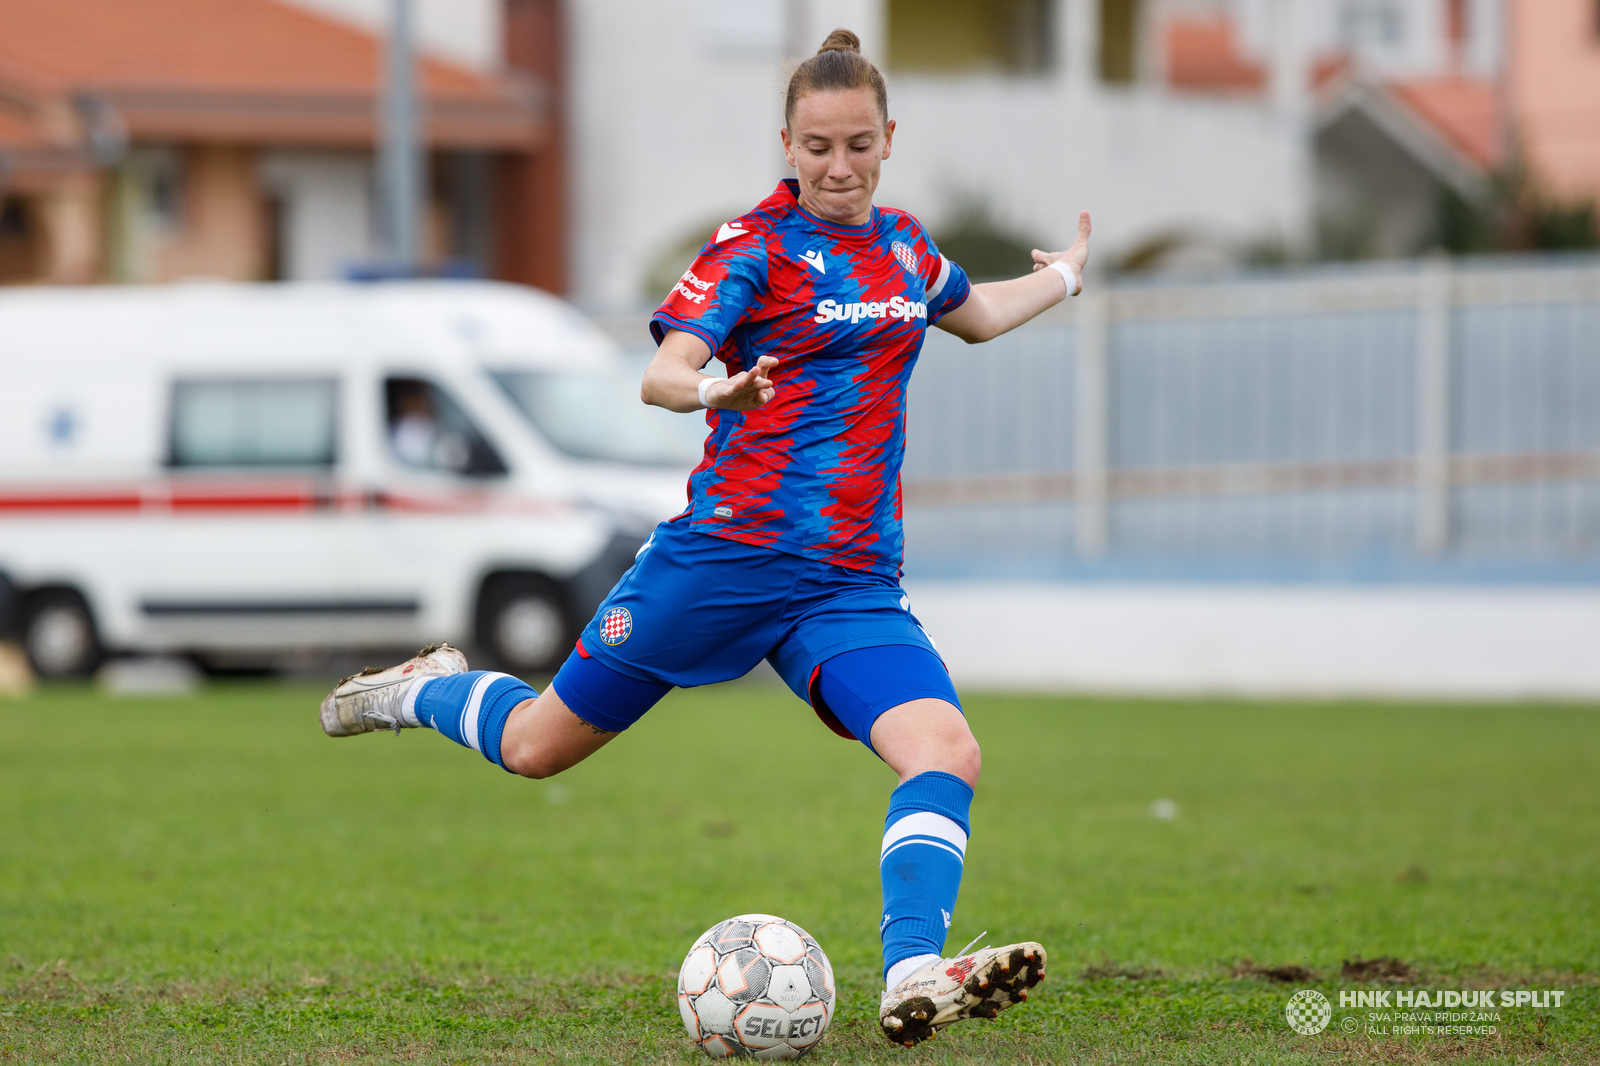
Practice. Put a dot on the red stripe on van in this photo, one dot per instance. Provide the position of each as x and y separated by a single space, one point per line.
442 503
246 502
468 502
257 498
168 496
51 503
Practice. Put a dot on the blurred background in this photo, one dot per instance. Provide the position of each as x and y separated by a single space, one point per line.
1327 420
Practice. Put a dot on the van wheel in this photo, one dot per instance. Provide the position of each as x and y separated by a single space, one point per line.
58 635
523 624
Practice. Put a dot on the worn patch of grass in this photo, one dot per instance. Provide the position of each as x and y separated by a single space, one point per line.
209 879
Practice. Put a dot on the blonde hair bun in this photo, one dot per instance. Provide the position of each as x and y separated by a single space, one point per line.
841 40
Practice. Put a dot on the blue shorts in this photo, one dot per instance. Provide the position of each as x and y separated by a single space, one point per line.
696 609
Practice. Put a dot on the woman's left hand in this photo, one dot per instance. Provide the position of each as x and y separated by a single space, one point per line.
1077 256
995 307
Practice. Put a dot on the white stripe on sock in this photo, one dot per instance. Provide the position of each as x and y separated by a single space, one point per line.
408 706
926 824
469 713
469 717
924 840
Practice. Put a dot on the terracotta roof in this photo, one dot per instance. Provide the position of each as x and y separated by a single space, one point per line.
1380 107
1202 56
245 70
1465 111
1331 68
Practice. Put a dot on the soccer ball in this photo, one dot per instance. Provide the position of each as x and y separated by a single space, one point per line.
756 985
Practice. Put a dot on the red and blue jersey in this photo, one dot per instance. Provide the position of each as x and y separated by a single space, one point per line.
816 472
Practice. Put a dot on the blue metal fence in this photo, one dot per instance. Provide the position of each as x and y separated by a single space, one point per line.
1425 420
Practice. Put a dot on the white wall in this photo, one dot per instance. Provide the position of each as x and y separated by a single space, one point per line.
1477 642
676 107
326 221
1139 160
464 31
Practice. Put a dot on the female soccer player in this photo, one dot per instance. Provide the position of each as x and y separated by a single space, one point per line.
790 547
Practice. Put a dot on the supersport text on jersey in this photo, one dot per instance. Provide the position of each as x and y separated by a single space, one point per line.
816 472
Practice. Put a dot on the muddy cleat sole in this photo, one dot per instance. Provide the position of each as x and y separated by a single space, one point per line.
979 985
376 697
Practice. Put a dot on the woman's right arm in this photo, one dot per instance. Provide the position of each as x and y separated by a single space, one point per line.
672 380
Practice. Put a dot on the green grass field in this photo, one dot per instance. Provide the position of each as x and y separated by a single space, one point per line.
209 879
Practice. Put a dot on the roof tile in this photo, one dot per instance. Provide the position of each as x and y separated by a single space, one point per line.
251 45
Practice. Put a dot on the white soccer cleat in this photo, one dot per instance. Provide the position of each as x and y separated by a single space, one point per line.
376 697
979 985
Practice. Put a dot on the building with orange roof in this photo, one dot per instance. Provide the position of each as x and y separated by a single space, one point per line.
1416 98
233 139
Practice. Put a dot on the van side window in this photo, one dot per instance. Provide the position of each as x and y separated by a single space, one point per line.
429 431
254 423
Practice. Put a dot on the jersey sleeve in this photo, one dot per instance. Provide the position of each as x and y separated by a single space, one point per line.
947 284
728 279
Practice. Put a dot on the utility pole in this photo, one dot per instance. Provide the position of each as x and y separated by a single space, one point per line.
401 174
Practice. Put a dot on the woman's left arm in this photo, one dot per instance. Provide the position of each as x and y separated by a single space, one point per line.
996 307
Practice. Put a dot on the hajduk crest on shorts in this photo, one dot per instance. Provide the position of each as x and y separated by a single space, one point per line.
616 626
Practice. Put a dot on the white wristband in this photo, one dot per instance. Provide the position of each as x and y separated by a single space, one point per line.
705 383
1072 278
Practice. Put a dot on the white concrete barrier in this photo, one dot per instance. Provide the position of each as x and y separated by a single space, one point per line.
1414 641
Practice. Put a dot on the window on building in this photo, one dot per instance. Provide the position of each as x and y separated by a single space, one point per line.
1119 41
254 423
159 174
971 36
21 241
274 220
464 186
1370 22
746 29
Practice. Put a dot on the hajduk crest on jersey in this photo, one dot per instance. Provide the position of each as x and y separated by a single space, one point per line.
902 251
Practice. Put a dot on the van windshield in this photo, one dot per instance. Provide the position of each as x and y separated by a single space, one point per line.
597 415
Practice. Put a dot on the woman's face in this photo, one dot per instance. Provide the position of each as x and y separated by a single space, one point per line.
836 141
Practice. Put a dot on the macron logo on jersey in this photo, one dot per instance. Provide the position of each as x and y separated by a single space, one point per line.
730 230
895 307
814 259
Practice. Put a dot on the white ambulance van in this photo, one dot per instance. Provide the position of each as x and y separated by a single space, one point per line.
238 472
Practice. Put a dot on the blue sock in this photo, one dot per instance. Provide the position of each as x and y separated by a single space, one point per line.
471 708
924 846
